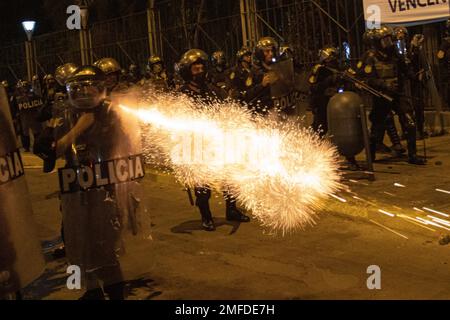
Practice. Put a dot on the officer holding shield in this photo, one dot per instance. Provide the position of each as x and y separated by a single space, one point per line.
100 190
240 75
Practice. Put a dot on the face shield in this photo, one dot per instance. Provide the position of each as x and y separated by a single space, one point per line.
269 55
86 95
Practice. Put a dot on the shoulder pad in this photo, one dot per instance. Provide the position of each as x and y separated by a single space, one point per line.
368 68
316 68
351 71
249 81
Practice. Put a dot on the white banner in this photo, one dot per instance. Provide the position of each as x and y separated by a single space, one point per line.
411 12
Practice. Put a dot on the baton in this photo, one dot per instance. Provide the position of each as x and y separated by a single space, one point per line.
189 192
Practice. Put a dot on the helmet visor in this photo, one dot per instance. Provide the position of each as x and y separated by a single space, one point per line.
86 94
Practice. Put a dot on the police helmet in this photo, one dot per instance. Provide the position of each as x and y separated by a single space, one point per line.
244 51
218 58
264 44
63 72
108 65
189 58
86 88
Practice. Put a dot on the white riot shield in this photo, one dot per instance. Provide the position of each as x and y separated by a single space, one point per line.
101 198
21 260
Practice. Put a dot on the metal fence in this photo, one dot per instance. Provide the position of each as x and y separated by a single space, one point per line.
56 48
308 25
170 28
125 39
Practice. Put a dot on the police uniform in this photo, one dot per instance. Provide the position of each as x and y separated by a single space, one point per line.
100 189
387 72
257 96
28 105
443 56
323 85
240 80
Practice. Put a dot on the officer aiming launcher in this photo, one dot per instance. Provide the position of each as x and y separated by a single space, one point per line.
346 75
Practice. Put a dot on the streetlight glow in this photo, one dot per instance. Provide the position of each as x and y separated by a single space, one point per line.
29 26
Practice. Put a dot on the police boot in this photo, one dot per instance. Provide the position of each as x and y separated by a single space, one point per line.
412 150
414 159
202 202
94 294
207 220
398 150
115 291
382 148
26 143
352 164
233 213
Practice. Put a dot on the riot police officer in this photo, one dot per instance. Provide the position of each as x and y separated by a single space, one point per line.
259 95
157 75
420 77
134 74
324 83
111 68
10 97
443 56
218 73
193 69
36 86
21 260
396 149
240 75
58 112
387 71
100 213
28 105
60 106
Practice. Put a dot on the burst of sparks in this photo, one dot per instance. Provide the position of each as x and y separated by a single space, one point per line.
280 172
436 211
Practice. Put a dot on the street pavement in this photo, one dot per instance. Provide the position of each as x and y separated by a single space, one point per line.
371 223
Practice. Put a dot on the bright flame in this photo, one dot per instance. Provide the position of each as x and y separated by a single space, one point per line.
280 172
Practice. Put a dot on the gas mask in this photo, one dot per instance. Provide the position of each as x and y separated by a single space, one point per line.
200 78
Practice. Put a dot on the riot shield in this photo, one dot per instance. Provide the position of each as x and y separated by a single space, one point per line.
436 101
101 198
20 251
283 91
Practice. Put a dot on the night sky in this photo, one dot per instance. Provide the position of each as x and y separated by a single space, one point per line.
51 14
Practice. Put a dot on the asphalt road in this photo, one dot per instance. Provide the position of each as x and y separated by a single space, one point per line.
327 261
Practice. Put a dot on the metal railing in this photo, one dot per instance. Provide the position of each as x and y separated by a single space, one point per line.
173 26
